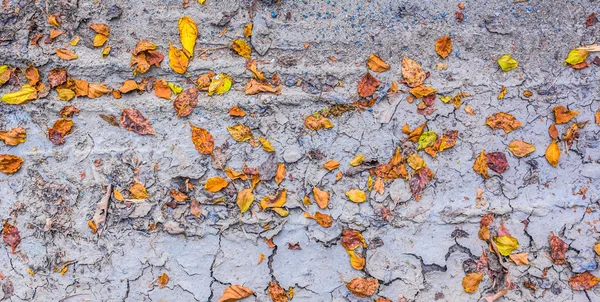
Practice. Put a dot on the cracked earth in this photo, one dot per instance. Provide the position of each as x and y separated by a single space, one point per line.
416 250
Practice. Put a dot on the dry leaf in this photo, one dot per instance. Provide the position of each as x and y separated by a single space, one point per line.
448 140
352 239
162 90
357 160
443 46
100 28
53 20
133 120
118 195
245 198
321 197
520 258
331 165
26 93
562 115
323 220
363 287
502 93
558 250
240 133
367 85
10 164
13 136
241 47
163 280
504 121
195 208
254 87
215 184
376 64
248 30
178 196
186 101
32 75
59 130
203 140
520 148
99 40
418 180
188 32
422 91
234 293
471 281
276 292
237 111
412 72
576 56
317 122
553 153
583 281
276 201
507 62
10 236
506 244
177 59
357 262
497 161
220 84
280 173
97 90
110 119
138 191
266 145
356 195
66 54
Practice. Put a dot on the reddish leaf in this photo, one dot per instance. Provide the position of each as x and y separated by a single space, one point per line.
276 292
68 111
59 130
591 20
367 85
558 249
10 235
419 179
133 120
497 161
583 281
57 77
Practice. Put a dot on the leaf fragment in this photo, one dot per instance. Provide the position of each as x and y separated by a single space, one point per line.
497 161
276 292
357 262
317 122
427 139
563 115
321 197
163 279
138 191
32 75
520 258
280 173
237 111
357 160
254 87
13 136
418 180
234 293
220 84
241 47
331 165
558 249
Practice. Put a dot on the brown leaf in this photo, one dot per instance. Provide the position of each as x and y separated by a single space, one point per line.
59 130
186 102
597 116
558 250
97 90
443 46
13 136
133 120
480 166
68 111
497 161
57 77
195 208
203 140
163 280
553 132
100 28
203 81
448 139
66 54
562 115
520 148
553 153
234 293
504 121
10 236
376 64
99 218
419 180
110 119
178 196
591 20
367 85
363 287
583 281
352 239
254 87
276 292
128 86
412 72
32 75
471 282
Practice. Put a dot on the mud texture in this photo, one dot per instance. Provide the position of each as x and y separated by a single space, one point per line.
420 252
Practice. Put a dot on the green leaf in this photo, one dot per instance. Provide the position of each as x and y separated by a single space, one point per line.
576 56
507 62
427 139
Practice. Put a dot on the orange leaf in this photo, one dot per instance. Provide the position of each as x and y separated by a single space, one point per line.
240 132
367 85
215 184
412 72
178 196
203 140
254 87
10 236
317 122
13 136
280 173
276 201
480 166
357 262
186 101
162 90
504 121
471 282
352 239
237 111
562 115
520 148
138 191
520 258
276 292
553 153
66 54
100 28
363 287
376 64
422 91
583 281
97 90
331 165
32 75
321 197
163 280
234 293
443 46
59 130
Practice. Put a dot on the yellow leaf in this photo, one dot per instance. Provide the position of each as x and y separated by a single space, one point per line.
506 244
99 40
138 191
332 164
280 174
276 201
377 64
321 197
66 54
233 175
502 93
597 249
65 94
240 133
520 148
281 211
422 91
202 2
357 160
74 41
241 47
415 161
188 32
471 282
357 262
248 30
245 199
443 46
219 84
26 93
118 196
356 195
266 145
576 56
507 62
53 20
177 60
215 184
4 74
175 88
106 51
317 122
553 153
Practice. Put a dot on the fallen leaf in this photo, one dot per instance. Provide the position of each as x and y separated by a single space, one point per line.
576 56
520 258
248 30
367 85
215 184
133 120
504 121
53 20
356 195
163 280
241 47
448 140
203 140
562 115
110 119
520 148
177 59
75 41
357 262
553 153
13 136
54 33
32 75
99 218
237 111
240 132
234 293
507 62
162 90
138 191
266 145
480 166
66 54
186 101
422 91
144 56
357 160
5 73
276 201
443 46
321 197
352 239
118 195
376 64
497 161
10 164
128 86
506 244
583 281
195 208
502 93
65 94
57 77
24 94
419 180
471 281
558 250
427 139
10 236
244 200
188 32
597 249
100 28
322 219
178 195
363 287
219 84
97 90
412 72
280 173
106 51
99 40
317 122
276 292
331 165
59 130
591 20
254 87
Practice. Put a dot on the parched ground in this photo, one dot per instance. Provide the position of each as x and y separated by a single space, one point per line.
416 250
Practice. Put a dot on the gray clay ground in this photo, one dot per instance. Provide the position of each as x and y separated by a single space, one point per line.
415 255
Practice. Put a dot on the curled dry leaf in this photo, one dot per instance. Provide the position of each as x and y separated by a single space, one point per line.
563 115
558 250
244 199
276 201
204 80
376 64
220 84
553 153
13 136
254 87
280 173
321 197
520 148
471 281
356 195
66 54
178 60
448 140
188 32
507 62
59 130
241 47
352 239
331 165
133 120
26 93
497 161
412 72
583 281
215 184
363 287
317 122
234 293
276 292
357 262
419 180
443 46
240 132
504 121
53 20
186 101
10 236
203 140
367 85
144 56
